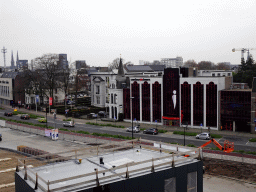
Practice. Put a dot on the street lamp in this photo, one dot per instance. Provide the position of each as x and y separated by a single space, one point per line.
185 127
131 98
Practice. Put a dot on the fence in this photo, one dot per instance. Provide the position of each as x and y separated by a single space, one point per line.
63 135
95 177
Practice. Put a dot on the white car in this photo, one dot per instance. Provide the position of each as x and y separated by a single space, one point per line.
206 136
93 115
135 129
69 124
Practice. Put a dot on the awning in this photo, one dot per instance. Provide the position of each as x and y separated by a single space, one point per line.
171 118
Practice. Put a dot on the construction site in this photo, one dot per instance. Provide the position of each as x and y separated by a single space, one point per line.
40 164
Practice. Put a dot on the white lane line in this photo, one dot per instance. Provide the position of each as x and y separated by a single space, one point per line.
5 159
247 142
13 169
7 185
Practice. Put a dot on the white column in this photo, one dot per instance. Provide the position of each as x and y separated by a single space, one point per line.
140 89
192 104
204 112
151 102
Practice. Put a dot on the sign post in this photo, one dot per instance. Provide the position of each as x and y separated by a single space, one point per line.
201 125
50 103
37 98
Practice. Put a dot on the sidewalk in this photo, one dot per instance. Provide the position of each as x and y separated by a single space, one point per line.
142 125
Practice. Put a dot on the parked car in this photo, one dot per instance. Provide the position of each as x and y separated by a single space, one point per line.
25 116
69 102
102 114
42 120
135 129
93 115
7 114
204 136
152 131
69 124
0 137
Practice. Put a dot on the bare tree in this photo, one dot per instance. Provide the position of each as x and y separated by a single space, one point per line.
114 64
222 66
206 65
49 71
190 63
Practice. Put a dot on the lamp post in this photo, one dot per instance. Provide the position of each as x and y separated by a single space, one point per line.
185 127
131 98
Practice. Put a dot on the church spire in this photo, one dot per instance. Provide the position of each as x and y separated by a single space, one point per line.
120 78
17 62
12 62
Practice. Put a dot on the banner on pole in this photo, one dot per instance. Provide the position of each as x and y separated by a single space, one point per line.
50 100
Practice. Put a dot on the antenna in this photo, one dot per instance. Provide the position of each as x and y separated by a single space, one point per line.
4 51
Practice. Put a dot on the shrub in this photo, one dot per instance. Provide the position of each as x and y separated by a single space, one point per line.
120 116
17 112
252 140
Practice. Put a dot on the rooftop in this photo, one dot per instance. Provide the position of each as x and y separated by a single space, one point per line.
125 158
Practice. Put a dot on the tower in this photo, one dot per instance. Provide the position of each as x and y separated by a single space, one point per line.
12 62
4 51
17 62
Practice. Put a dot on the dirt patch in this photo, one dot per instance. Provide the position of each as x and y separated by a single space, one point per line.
8 177
246 172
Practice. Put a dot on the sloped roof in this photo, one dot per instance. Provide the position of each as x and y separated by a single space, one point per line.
9 75
144 68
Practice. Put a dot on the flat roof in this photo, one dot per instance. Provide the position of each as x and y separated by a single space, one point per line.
71 175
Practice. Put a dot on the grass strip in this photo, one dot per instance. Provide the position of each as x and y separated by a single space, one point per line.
191 145
162 131
69 119
186 133
113 136
106 125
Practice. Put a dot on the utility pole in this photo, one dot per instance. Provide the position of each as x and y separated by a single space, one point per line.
4 51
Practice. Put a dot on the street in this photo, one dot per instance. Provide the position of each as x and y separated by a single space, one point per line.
240 143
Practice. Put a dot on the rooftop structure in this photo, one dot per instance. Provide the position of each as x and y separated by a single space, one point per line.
137 165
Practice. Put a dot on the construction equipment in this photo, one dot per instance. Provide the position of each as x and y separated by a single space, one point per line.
228 146
243 50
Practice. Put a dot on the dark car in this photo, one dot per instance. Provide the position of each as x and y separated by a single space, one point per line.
7 114
24 116
102 114
152 131
0 137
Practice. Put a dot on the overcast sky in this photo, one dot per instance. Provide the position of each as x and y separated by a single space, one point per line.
99 31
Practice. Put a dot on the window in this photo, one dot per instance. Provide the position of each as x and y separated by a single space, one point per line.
112 98
229 74
170 185
113 86
98 99
192 182
213 74
115 98
97 89
56 91
218 74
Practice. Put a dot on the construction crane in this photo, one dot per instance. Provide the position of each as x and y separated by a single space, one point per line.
243 50
228 146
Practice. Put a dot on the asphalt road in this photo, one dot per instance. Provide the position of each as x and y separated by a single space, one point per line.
241 143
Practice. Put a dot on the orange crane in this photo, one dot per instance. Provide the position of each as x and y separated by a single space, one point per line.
228 146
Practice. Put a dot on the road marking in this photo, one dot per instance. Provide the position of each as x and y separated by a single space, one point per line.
7 185
13 169
247 142
5 159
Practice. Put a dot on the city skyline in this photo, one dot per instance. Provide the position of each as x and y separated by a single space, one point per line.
100 31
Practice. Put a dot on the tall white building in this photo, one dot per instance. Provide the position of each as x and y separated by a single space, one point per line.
172 62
